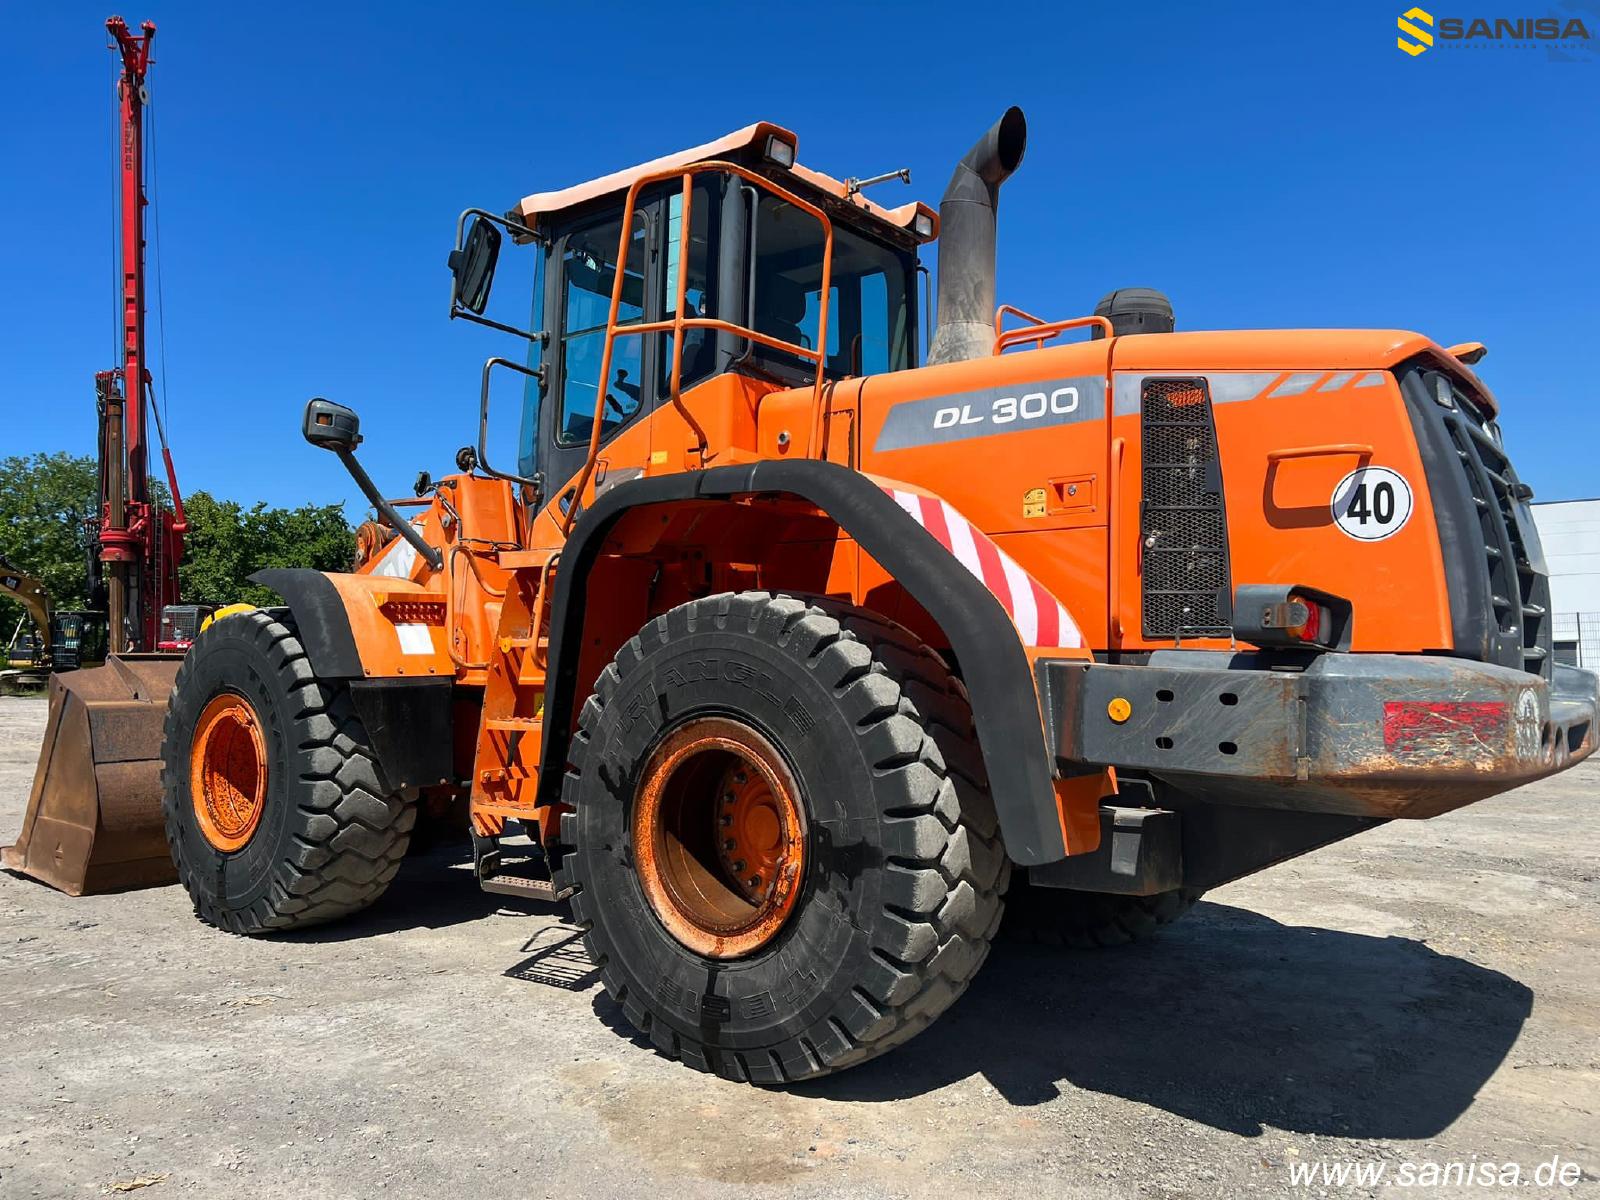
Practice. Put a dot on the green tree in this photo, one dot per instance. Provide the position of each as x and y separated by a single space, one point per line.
46 504
216 554
49 501
228 542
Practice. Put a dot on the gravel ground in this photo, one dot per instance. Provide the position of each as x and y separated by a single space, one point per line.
1429 992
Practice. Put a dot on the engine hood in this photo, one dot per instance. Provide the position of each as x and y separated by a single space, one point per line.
1285 350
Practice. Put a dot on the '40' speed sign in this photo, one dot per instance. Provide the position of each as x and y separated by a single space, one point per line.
1372 503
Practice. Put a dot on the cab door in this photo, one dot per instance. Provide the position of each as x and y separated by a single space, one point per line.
584 269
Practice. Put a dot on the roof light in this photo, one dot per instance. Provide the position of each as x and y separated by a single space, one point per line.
779 151
922 225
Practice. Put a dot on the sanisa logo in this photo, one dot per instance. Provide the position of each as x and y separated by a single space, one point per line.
1417 31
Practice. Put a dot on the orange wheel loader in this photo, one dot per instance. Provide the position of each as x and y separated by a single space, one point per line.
798 668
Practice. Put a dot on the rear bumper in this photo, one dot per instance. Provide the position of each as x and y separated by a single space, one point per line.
1374 735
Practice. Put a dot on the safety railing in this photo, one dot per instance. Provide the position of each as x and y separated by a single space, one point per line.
679 323
1038 330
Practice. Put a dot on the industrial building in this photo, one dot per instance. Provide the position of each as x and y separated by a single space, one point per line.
1569 530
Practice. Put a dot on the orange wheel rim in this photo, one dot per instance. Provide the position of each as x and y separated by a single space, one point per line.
228 772
719 837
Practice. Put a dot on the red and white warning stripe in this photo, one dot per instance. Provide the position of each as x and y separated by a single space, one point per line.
1040 618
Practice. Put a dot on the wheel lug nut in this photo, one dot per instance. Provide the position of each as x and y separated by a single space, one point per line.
739 865
739 776
727 797
755 881
726 819
730 844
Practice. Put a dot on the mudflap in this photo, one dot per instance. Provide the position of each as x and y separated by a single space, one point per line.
94 820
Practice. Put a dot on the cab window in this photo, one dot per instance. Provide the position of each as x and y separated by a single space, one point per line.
588 272
700 286
869 311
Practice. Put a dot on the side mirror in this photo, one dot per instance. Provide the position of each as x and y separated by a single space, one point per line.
472 266
334 427
331 426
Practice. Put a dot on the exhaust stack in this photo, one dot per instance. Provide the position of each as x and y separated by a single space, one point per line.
966 242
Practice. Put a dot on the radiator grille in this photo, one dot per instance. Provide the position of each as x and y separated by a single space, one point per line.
1519 592
1183 526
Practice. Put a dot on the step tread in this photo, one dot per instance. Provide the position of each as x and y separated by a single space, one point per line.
521 885
514 723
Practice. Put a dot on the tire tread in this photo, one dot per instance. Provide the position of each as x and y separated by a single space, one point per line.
351 830
915 718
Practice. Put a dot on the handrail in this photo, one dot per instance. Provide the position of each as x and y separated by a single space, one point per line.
483 418
1039 331
1360 451
451 610
1000 316
679 322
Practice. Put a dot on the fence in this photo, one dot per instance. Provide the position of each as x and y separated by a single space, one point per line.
1577 639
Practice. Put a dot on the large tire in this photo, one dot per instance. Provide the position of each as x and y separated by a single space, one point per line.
1087 920
328 834
904 871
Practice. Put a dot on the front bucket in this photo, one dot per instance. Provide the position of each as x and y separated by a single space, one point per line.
94 819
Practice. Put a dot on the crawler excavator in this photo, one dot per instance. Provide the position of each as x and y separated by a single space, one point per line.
56 639
789 656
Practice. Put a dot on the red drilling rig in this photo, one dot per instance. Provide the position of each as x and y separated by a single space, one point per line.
94 816
139 543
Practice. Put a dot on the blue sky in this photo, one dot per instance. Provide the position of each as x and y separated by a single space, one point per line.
1264 166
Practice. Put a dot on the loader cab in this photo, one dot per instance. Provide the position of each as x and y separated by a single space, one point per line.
753 260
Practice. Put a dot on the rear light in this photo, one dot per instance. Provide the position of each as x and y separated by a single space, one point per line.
1271 615
922 225
1303 618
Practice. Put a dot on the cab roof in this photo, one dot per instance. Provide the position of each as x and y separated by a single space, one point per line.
542 205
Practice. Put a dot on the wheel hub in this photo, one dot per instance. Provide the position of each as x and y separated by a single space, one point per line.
719 837
228 772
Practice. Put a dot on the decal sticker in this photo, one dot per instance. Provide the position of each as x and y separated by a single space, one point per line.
1032 405
1226 387
1231 387
1372 503
611 478
399 559
1040 618
414 638
1033 502
1530 726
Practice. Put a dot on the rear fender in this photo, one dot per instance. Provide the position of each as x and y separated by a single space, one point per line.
877 515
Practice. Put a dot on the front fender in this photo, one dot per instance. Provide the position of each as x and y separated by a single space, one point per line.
359 628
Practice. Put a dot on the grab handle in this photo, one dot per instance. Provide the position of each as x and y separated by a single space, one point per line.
1355 448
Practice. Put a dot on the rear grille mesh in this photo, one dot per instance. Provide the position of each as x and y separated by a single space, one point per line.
1519 592
1183 527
